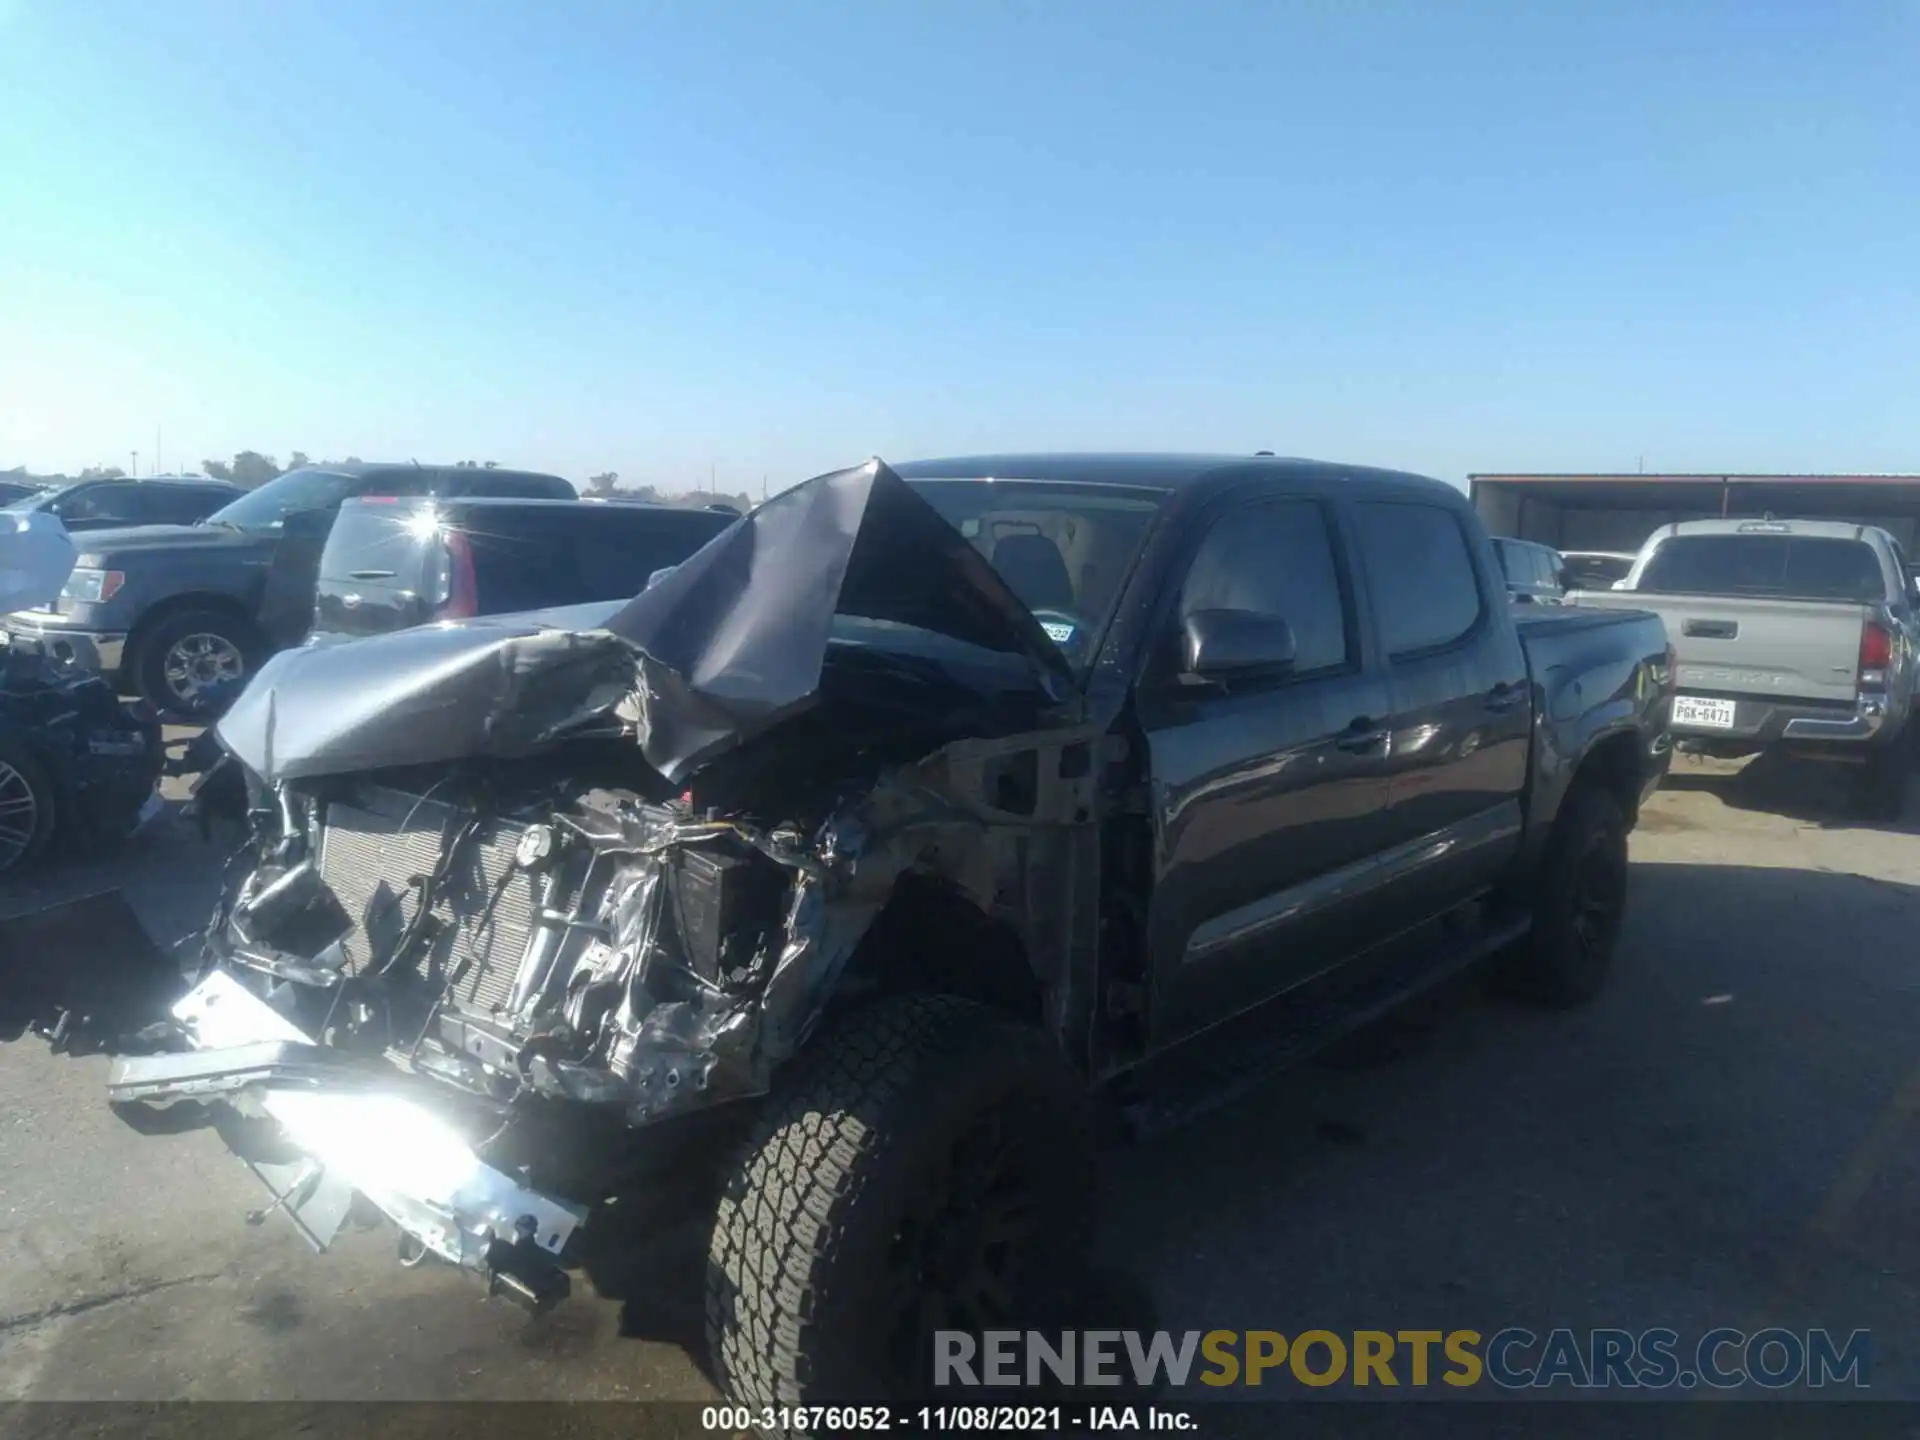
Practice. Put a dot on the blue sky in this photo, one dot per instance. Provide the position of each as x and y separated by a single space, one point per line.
769 239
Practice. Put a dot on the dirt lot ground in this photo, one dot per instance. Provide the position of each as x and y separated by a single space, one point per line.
1728 1138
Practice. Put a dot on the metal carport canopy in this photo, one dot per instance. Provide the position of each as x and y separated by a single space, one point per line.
1800 494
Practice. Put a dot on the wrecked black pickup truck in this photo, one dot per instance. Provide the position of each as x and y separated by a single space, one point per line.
835 876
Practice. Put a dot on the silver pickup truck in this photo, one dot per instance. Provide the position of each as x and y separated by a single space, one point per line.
1795 634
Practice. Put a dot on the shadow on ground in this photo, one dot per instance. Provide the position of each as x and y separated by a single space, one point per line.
1809 791
1721 1136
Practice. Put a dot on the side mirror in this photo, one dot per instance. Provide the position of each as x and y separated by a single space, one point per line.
1224 645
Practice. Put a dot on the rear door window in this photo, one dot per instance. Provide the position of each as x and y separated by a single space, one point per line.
1420 575
1773 567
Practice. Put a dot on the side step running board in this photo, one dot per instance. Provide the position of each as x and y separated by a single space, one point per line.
1299 1032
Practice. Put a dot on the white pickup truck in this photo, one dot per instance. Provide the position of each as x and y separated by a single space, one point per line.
1794 634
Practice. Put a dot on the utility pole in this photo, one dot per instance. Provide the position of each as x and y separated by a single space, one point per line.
134 455
158 467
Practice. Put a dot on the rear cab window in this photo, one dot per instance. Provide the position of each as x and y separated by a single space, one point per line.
1770 567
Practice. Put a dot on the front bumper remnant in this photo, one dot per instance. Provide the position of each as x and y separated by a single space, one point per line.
356 1125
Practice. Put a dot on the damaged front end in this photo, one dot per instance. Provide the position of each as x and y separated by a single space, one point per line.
521 905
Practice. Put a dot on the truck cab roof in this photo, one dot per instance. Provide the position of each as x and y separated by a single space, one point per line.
1172 471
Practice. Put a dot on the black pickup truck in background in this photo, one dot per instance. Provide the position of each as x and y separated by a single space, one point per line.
830 881
182 614
118 502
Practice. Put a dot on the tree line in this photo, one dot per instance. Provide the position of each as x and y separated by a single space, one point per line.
607 486
251 469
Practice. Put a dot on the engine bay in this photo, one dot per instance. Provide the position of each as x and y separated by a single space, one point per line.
589 945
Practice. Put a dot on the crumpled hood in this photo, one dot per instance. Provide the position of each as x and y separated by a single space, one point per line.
733 639
36 557
722 648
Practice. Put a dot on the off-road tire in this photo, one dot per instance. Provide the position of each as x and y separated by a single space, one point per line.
148 663
19 762
1578 902
806 1248
1880 782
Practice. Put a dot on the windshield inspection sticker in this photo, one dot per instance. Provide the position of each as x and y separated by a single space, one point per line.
1058 631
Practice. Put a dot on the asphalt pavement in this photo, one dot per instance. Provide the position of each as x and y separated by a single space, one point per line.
1726 1138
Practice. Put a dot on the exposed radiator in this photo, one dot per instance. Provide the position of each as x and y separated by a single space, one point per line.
371 851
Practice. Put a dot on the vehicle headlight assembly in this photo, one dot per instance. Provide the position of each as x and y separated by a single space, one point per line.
92 585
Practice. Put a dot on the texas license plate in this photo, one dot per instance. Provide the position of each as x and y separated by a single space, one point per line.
1712 714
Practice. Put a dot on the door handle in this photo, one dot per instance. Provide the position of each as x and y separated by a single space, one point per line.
1508 695
1361 735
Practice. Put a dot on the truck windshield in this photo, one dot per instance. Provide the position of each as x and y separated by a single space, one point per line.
1773 567
1064 549
268 507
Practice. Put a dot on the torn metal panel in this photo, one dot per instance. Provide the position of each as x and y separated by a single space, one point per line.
734 637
